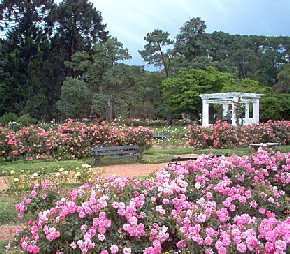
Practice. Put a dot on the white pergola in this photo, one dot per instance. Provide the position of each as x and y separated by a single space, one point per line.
232 99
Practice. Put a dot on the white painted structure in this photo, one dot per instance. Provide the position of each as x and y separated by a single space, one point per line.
233 99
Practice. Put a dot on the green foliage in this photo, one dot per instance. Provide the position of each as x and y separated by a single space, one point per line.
181 94
26 120
15 123
40 37
2 246
190 42
83 30
157 50
44 48
76 99
244 86
8 117
256 57
37 107
148 91
99 81
275 106
283 84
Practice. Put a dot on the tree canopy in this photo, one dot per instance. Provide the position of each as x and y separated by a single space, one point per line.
157 50
40 37
58 60
181 93
283 77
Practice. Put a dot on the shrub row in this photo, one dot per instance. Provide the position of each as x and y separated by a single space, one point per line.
212 205
68 141
224 135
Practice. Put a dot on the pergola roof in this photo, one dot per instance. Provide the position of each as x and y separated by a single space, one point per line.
230 95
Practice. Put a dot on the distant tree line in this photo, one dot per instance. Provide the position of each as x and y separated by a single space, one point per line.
59 61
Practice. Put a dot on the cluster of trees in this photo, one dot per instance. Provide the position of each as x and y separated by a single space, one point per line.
197 62
58 61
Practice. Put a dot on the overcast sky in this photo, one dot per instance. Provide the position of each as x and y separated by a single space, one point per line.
131 20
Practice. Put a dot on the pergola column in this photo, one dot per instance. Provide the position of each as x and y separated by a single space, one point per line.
234 115
256 111
247 113
225 109
205 113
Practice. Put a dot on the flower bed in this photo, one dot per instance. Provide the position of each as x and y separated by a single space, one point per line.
68 141
224 135
211 205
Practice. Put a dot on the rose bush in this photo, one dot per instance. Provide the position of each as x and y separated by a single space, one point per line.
68 141
224 135
211 205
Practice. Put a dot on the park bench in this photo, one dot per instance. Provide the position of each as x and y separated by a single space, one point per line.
160 136
117 152
264 145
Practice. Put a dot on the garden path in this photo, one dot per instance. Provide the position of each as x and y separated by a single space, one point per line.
136 169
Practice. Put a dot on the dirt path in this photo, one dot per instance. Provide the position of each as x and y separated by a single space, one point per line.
130 169
7 232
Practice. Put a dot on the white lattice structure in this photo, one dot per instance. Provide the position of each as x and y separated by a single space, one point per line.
232 99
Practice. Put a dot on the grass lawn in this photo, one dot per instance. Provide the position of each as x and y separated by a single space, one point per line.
8 213
160 155
41 166
228 152
2 246
283 149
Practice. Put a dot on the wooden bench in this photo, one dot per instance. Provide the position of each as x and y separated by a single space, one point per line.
264 145
116 152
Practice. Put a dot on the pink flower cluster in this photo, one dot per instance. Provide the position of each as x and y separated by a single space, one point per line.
211 205
224 135
68 141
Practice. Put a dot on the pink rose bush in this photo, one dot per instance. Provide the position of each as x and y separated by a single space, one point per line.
211 205
224 135
68 141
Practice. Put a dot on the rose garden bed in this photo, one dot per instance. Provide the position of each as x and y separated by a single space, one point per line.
211 205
